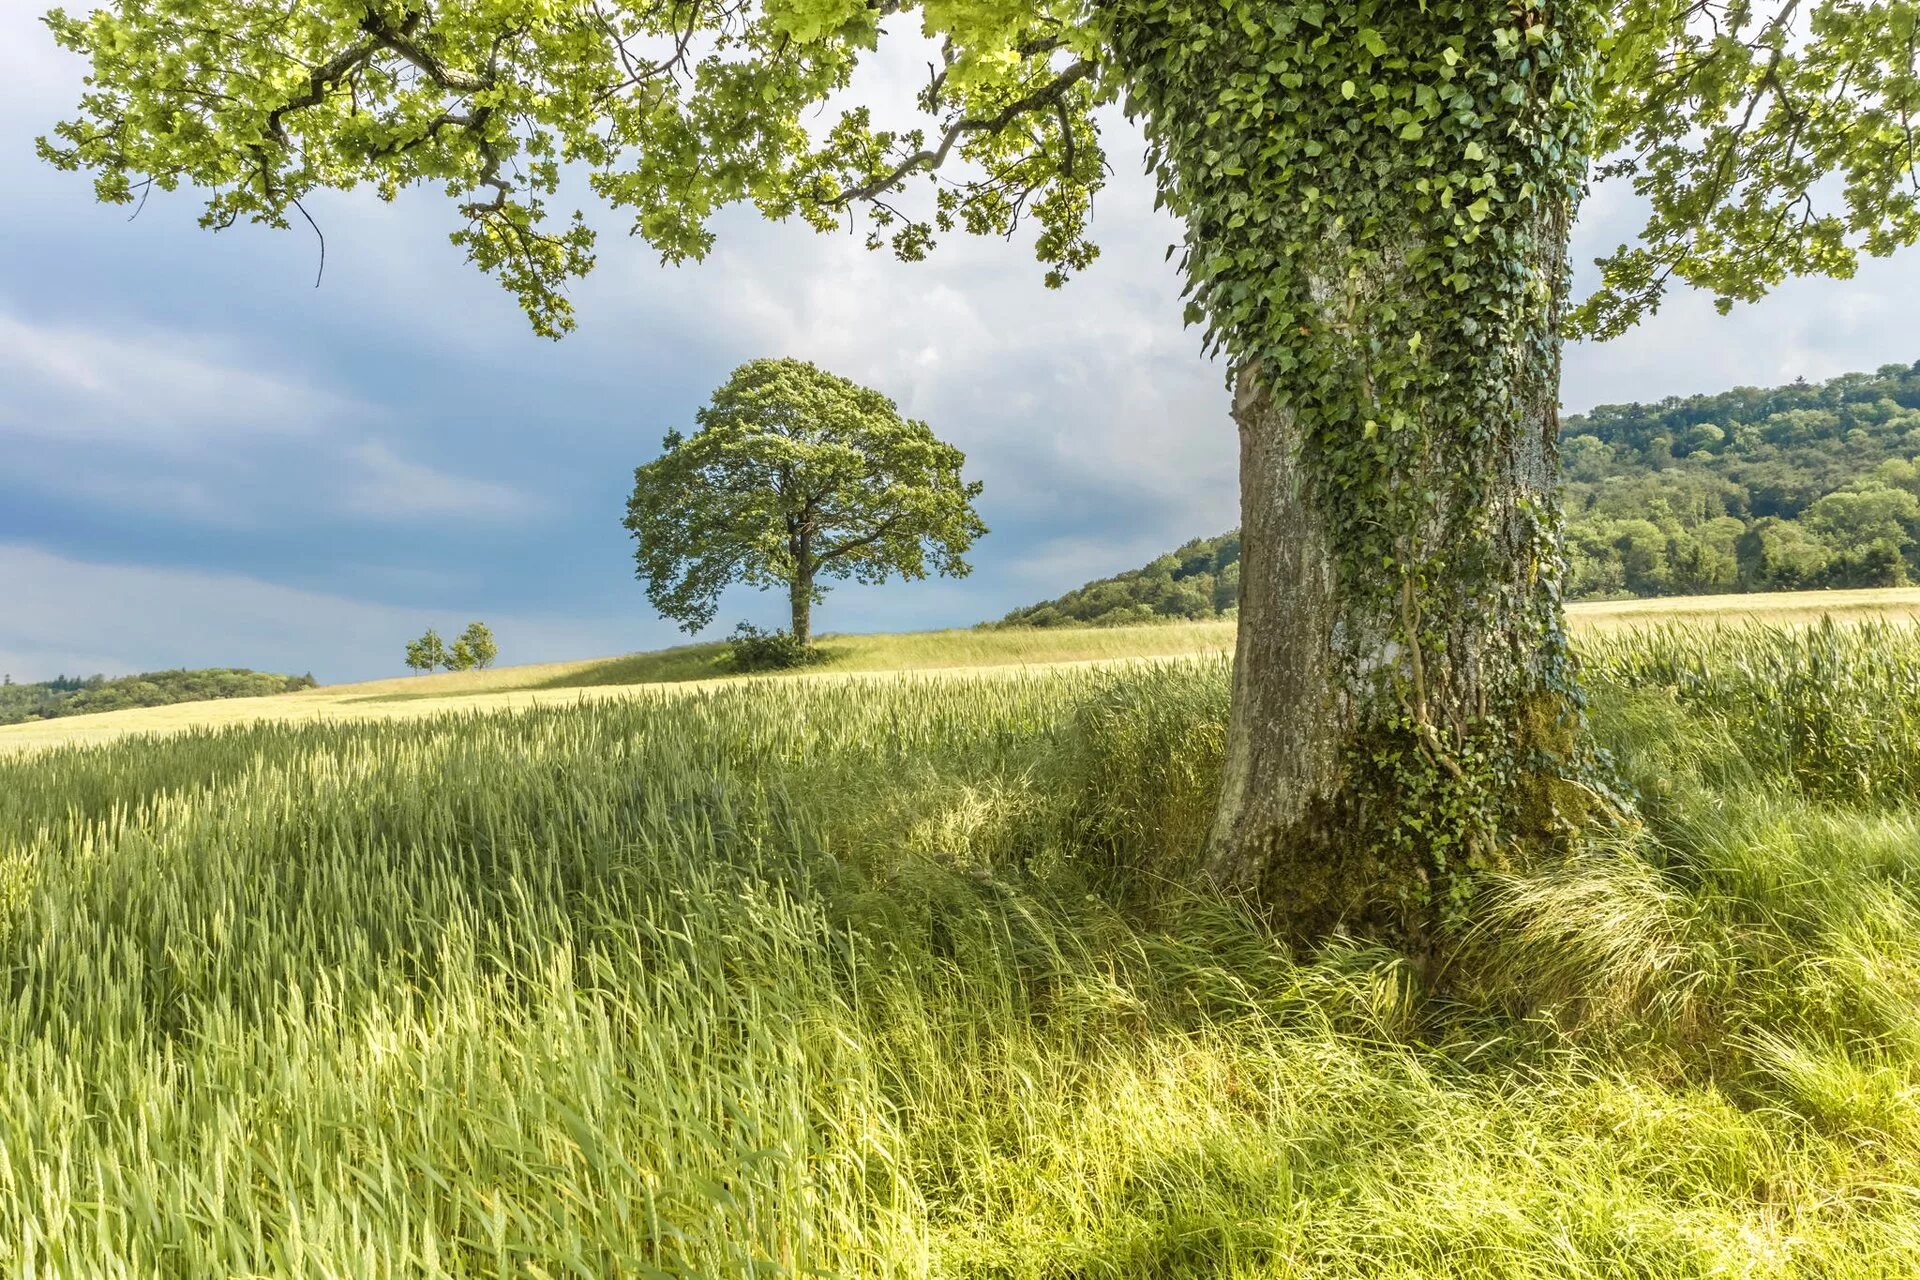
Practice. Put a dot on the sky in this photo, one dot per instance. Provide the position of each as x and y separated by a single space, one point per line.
205 460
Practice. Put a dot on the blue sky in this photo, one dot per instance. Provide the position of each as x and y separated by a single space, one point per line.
205 460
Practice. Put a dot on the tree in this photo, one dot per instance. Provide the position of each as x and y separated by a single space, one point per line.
795 476
1867 514
476 646
1377 198
428 653
1780 555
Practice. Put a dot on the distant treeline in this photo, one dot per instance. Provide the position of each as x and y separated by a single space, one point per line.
75 695
1782 489
1809 485
1200 580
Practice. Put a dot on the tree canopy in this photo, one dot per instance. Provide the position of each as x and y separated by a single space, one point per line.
473 648
796 475
1755 489
428 652
1727 117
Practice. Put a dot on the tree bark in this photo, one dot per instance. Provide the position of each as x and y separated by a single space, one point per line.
800 595
1364 706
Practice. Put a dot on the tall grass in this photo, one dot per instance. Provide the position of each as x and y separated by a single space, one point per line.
898 978
1834 707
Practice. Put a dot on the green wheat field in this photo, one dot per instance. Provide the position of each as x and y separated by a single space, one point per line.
880 975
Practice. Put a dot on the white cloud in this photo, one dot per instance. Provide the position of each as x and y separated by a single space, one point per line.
1807 328
386 486
34 72
1078 560
85 384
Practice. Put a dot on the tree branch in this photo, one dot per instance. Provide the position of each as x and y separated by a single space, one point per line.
400 40
854 544
318 81
1049 94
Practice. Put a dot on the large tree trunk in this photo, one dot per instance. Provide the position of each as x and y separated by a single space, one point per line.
1399 728
1363 711
1377 202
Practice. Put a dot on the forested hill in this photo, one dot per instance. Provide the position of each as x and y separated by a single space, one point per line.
1200 580
1783 488
74 695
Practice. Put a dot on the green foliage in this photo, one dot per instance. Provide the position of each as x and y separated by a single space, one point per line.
1376 196
795 476
75 696
1376 200
859 978
1724 116
1200 580
1768 140
428 653
474 649
1755 489
672 113
749 649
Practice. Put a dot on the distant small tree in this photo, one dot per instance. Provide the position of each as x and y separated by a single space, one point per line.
796 475
460 657
478 645
427 653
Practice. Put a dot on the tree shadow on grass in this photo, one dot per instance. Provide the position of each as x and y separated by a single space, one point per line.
661 666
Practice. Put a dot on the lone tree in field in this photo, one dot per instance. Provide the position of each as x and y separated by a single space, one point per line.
1377 198
795 476
428 653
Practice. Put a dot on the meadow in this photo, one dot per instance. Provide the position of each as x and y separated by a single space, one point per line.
883 976
930 653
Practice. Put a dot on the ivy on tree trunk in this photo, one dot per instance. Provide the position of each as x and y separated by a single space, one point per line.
1377 229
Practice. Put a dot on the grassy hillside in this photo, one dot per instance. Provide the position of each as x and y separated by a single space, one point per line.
565 683
1198 581
76 696
933 653
1810 485
764 980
